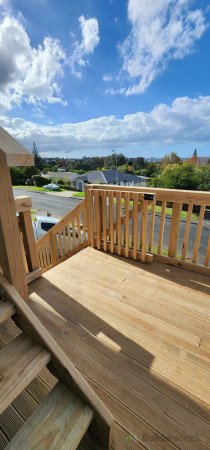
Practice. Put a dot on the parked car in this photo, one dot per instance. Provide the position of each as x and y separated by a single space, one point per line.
42 224
51 187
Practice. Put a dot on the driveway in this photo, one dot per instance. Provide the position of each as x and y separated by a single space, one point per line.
57 205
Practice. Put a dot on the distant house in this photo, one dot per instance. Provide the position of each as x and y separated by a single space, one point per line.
106 177
59 175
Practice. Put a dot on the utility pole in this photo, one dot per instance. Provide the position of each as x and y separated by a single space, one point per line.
115 165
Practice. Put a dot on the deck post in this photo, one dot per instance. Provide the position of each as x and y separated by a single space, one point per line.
11 257
29 240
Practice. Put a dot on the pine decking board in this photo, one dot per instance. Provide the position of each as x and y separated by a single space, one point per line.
94 315
140 397
137 366
140 335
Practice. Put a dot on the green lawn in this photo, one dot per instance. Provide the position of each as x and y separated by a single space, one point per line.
35 188
79 194
158 209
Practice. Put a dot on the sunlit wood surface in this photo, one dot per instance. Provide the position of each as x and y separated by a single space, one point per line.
140 334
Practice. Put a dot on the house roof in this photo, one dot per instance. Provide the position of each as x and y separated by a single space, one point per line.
108 177
63 175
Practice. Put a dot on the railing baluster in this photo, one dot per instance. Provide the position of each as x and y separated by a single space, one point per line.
53 248
135 225
74 233
187 230
111 221
174 231
104 218
162 225
127 223
198 234
60 249
119 225
84 226
69 236
47 254
97 219
152 226
144 230
78 229
65 247
207 257
88 204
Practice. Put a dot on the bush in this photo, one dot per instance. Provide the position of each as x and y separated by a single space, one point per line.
60 181
66 186
40 181
183 176
17 175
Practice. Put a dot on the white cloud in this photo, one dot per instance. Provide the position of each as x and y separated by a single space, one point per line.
3 3
27 73
185 121
161 30
107 78
90 40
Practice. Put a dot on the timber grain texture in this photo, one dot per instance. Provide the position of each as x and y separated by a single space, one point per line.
59 422
140 335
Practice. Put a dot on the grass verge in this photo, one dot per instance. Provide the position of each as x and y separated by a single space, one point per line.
79 194
35 189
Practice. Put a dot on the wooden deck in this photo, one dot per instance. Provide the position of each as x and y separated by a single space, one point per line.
140 334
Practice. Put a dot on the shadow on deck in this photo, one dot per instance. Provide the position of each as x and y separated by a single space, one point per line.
141 337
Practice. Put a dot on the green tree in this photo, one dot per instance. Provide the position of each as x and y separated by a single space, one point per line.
29 172
183 176
172 158
139 163
17 175
37 158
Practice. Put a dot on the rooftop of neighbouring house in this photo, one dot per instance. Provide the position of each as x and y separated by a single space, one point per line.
109 177
140 335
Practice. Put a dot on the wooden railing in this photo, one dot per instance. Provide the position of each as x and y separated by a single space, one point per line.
65 239
122 220
117 221
125 221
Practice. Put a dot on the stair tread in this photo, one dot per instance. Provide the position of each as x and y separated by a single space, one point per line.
20 361
60 421
7 310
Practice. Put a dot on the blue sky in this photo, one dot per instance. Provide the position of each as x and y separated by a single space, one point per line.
86 76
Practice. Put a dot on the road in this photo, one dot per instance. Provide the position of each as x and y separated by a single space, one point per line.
59 206
54 204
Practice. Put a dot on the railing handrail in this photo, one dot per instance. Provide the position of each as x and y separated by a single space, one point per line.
70 215
180 196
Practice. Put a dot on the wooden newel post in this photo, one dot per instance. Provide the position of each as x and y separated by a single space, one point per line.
11 257
29 240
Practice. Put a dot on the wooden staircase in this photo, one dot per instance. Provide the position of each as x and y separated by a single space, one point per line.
71 410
